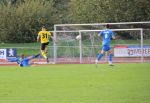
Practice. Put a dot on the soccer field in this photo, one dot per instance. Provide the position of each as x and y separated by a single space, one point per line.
75 83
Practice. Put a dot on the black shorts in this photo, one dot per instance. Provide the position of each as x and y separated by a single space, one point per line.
43 45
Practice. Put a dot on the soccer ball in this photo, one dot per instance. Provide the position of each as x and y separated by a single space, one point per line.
78 37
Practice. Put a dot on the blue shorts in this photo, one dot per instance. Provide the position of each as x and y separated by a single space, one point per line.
106 48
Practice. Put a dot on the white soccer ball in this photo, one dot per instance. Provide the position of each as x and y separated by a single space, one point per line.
78 37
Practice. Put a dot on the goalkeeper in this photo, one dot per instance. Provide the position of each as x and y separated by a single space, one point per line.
23 61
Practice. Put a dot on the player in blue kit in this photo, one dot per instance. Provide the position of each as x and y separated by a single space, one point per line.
23 61
106 36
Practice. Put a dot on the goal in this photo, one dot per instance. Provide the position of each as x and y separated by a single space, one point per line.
70 50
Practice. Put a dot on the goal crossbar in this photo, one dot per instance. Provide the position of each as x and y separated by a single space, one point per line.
73 31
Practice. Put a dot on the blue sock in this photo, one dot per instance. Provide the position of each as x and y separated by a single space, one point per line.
110 57
100 55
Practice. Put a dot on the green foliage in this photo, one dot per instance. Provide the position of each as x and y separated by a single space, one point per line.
109 10
61 7
22 22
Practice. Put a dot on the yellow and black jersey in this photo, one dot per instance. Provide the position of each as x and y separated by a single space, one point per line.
44 36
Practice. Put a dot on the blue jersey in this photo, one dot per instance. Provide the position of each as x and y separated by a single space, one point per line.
23 63
106 36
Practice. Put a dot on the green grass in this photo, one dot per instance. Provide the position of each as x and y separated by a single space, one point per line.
123 83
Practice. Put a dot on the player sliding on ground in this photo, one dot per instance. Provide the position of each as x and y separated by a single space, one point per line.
23 61
106 36
43 37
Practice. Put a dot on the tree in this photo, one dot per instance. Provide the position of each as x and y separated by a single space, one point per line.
21 23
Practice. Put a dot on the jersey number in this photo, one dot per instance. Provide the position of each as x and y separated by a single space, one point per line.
106 35
44 36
